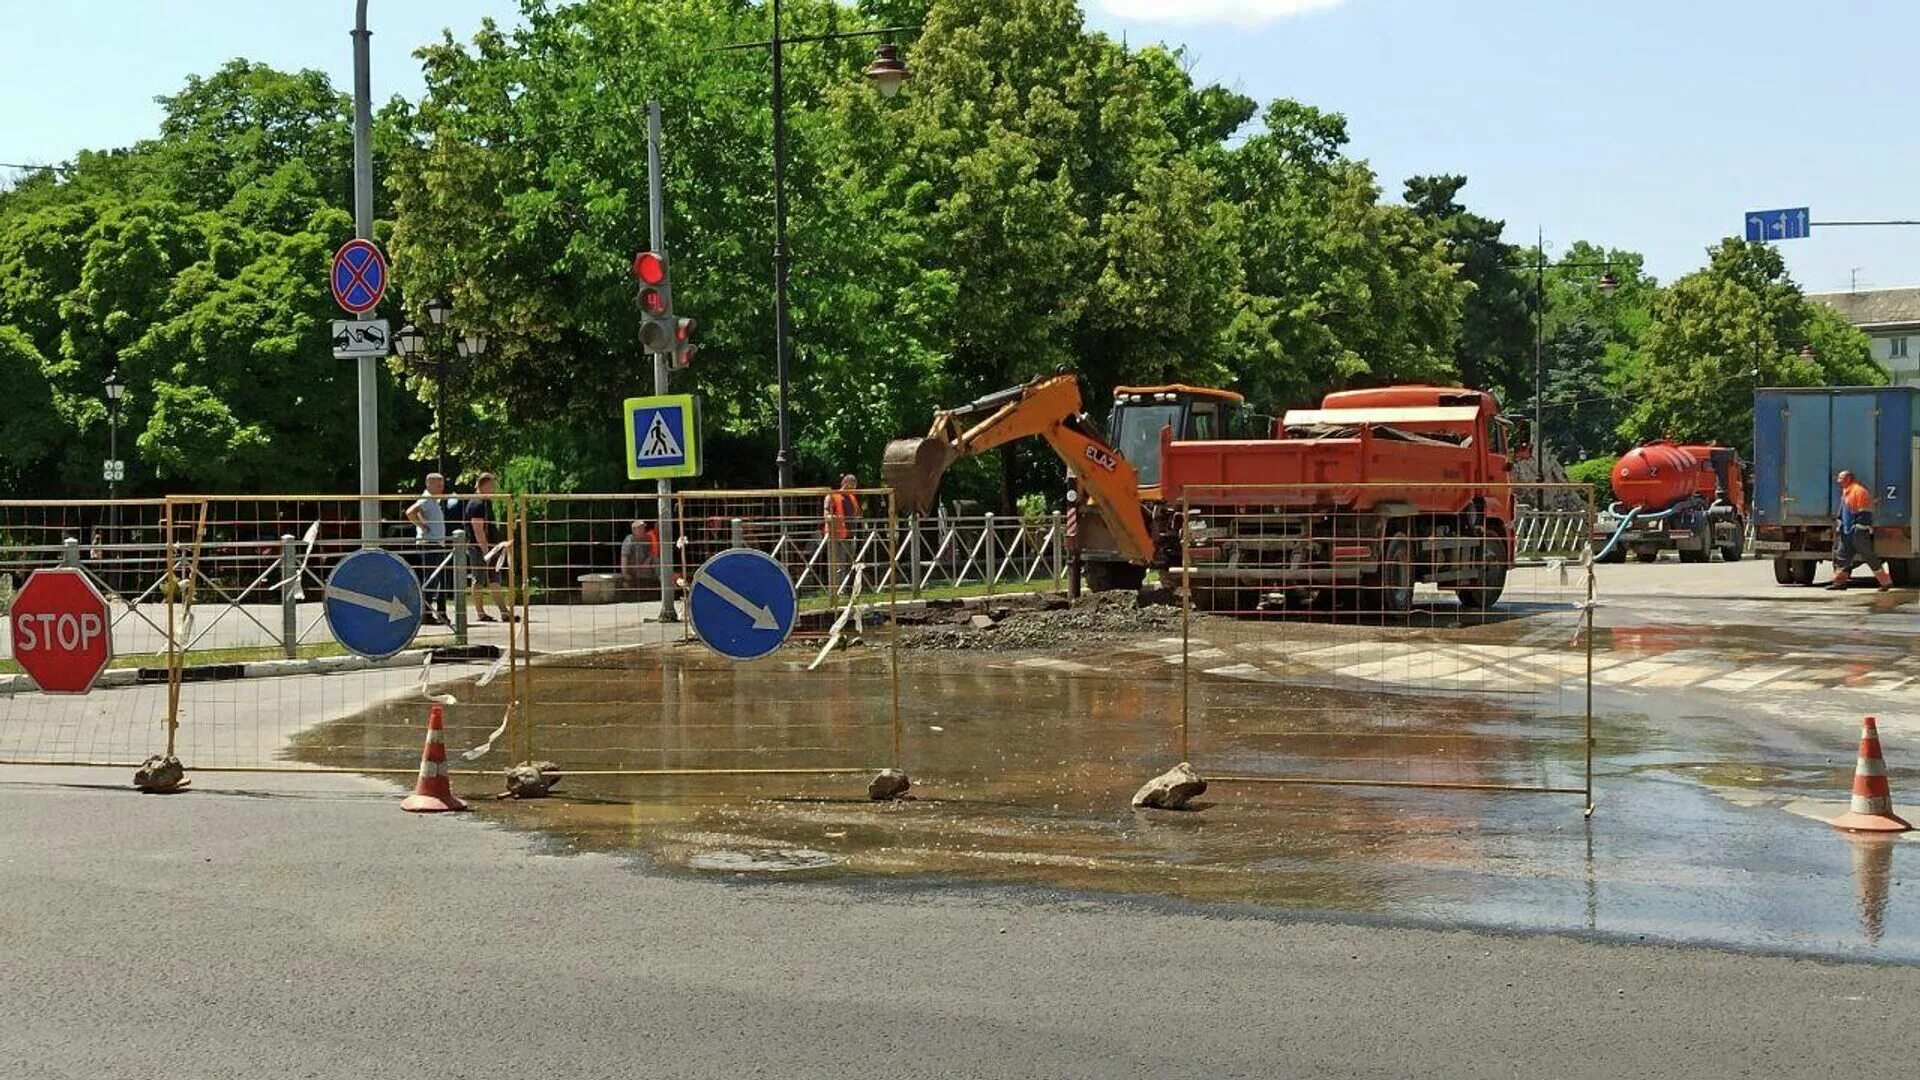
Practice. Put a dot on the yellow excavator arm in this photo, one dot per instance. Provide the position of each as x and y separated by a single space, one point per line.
1047 407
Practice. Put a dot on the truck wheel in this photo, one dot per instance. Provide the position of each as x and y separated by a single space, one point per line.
1732 551
1110 576
1393 586
1493 578
1804 570
1783 571
1646 554
1617 555
1905 572
1689 555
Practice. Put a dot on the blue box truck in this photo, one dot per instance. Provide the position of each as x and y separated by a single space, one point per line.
1801 438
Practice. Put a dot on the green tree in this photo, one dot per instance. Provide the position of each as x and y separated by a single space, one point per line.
1495 349
1719 332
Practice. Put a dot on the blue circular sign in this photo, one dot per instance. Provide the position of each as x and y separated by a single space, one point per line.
373 603
359 276
742 604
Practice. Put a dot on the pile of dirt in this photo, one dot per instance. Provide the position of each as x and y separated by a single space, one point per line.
1050 625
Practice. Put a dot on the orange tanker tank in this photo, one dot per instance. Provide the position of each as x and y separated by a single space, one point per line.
1659 475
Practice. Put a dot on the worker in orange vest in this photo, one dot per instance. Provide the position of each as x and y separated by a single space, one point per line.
1853 542
842 511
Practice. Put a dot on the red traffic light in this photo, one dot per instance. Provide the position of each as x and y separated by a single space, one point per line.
650 268
653 302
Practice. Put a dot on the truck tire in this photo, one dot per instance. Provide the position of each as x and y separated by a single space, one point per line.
1732 551
1646 555
1689 555
1804 571
1783 572
1105 576
1393 586
1493 579
1906 572
1617 555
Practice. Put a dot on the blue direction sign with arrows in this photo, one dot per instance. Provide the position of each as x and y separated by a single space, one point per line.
1768 225
373 603
742 604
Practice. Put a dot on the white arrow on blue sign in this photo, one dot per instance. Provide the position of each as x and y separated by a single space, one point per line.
1764 226
742 604
373 603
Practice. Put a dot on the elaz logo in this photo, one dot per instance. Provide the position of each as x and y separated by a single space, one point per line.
1100 457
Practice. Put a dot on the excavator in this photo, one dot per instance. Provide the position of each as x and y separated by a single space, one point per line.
1119 478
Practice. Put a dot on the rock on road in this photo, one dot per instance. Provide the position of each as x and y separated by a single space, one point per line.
303 926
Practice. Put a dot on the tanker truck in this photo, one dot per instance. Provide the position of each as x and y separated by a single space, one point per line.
1685 498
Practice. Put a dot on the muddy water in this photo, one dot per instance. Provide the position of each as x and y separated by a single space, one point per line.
1023 767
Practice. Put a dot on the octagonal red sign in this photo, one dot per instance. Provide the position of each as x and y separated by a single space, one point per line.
62 631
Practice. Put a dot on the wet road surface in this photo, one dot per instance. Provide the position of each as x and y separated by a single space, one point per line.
1720 737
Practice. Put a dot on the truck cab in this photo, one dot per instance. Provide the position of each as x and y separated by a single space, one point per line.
1195 414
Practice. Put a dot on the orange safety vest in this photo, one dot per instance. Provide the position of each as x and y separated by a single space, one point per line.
842 506
1857 497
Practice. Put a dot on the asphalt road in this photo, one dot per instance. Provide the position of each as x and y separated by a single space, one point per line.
304 927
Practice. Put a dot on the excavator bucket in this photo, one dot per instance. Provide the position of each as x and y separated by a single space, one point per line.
912 468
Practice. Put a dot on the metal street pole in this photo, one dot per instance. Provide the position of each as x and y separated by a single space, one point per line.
783 461
113 450
657 226
363 228
440 409
1539 353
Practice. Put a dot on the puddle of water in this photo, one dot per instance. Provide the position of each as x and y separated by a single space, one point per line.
1023 772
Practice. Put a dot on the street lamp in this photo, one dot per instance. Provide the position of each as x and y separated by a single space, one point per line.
114 388
888 74
419 353
1606 284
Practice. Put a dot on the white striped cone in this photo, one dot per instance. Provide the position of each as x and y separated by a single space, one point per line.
1871 809
433 792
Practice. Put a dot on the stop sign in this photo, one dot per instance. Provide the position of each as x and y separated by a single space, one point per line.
62 631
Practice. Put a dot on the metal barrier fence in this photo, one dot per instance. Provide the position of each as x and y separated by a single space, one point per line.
1548 534
1317 643
1381 637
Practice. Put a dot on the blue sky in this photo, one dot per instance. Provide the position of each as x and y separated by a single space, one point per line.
1647 125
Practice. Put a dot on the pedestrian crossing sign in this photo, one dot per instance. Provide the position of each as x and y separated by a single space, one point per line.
663 437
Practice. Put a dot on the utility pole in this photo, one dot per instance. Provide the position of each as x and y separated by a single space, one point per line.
363 228
657 224
782 258
1540 352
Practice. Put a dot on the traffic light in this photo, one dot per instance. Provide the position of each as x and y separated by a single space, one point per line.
657 329
684 349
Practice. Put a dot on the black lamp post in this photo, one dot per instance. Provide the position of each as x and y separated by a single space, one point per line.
419 352
114 389
888 74
1606 284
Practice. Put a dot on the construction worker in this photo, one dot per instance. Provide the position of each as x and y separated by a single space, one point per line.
842 511
1853 541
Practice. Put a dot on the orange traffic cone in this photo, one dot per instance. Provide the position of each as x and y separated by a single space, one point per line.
433 794
1872 809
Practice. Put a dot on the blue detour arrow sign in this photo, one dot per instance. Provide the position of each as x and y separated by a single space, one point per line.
742 604
373 603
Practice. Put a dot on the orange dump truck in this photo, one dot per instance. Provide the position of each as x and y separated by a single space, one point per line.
1376 489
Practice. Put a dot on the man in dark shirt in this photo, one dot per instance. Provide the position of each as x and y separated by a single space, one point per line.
490 547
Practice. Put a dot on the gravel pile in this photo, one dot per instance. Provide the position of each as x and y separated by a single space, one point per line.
1101 616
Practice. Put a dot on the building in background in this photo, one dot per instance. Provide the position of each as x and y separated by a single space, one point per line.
1891 317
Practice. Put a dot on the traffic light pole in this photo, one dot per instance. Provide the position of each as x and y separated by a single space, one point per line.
657 222
369 372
